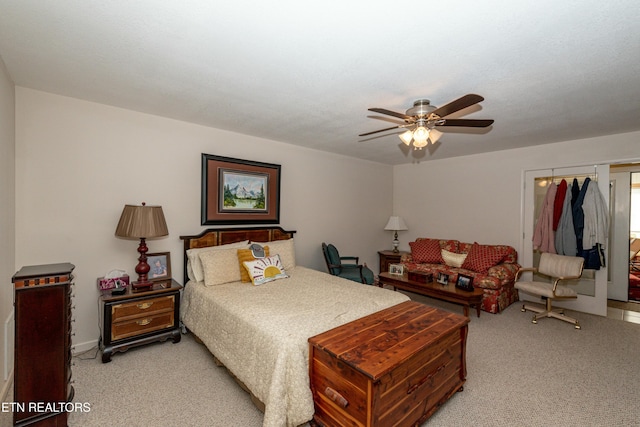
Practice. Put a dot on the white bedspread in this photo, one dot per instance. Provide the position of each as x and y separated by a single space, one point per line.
260 333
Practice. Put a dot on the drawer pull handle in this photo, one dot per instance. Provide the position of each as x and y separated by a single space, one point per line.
425 379
145 305
336 397
143 322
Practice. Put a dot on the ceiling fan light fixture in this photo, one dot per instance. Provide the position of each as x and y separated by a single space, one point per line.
406 137
420 137
434 135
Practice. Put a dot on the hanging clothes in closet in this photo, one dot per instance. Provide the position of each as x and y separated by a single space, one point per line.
595 228
543 234
573 221
565 232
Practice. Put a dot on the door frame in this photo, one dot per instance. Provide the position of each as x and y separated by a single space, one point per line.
596 304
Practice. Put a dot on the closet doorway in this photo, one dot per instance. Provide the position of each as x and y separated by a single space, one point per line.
624 277
592 287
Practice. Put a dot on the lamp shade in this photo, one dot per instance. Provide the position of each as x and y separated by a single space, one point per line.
395 223
142 222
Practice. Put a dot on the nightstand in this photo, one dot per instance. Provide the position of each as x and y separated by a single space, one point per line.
139 317
389 257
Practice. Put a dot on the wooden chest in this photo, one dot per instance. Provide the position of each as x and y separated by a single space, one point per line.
394 367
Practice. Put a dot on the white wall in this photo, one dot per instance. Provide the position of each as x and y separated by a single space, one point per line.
78 163
477 198
7 221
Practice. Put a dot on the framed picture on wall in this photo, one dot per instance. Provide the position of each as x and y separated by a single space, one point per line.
236 191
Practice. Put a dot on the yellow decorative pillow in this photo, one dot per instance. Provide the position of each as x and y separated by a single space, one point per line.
453 259
246 255
264 270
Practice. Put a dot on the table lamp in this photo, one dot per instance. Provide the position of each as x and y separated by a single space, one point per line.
395 224
142 222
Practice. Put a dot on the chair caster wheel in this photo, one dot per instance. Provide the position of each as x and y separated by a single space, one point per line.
578 326
523 309
534 321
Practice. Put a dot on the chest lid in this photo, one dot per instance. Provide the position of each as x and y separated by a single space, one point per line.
377 343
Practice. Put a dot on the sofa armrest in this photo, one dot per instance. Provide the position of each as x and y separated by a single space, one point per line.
505 273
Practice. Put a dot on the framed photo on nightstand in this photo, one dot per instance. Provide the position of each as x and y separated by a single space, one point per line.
160 264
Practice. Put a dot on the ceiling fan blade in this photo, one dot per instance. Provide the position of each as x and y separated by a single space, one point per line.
467 123
457 105
381 130
391 113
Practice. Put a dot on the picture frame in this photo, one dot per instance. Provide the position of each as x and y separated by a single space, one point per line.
443 278
396 269
237 191
160 264
464 282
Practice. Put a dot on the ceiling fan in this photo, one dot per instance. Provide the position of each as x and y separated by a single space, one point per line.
422 119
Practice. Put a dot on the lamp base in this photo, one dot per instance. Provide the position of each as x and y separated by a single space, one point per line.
141 286
395 242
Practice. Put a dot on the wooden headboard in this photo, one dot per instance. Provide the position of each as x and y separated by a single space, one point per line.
223 236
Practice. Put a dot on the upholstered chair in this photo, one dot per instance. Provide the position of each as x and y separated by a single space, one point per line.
560 269
346 267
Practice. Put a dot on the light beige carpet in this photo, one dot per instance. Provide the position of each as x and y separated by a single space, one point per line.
518 374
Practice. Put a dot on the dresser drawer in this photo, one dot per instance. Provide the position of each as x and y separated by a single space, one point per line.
149 306
141 325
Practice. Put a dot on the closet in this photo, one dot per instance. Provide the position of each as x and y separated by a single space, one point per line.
592 287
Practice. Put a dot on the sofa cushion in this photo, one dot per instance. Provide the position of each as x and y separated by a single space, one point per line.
453 259
482 257
426 250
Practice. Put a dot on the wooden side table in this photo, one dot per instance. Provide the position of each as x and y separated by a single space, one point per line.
139 317
389 257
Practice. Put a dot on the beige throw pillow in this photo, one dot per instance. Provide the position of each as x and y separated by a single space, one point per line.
284 248
220 266
452 259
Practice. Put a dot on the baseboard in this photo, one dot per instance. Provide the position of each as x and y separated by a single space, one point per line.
84 346
9 343
6 388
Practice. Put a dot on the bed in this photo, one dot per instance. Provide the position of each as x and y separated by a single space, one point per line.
260 333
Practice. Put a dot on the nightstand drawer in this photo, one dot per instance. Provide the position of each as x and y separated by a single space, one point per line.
141 325
141 307
139 317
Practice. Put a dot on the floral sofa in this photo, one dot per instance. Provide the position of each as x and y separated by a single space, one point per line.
493 267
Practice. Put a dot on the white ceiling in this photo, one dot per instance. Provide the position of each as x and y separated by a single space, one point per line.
306 72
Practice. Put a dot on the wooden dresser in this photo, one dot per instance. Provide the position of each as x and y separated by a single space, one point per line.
139 317
42 359
394 367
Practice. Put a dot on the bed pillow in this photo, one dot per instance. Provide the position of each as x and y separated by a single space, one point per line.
194 266
220 266
482 257
246 255
453 259
286 250
264 270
